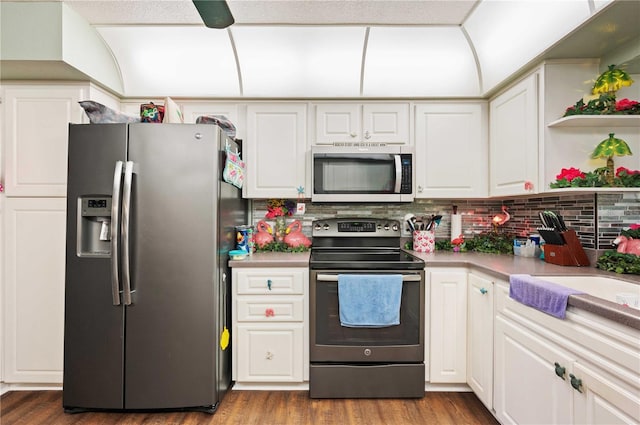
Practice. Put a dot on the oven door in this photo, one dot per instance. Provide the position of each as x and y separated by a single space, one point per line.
332 342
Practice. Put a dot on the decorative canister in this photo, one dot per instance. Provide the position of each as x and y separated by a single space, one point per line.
424 241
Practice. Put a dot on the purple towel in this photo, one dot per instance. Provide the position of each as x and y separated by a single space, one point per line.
548 297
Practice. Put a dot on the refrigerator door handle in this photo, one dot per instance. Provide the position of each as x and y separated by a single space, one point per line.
126 210
115 219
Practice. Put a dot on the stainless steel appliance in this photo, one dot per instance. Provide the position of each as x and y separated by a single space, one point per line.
364 362
149 226
365 172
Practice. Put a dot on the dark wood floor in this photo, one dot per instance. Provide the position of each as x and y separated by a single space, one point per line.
262 408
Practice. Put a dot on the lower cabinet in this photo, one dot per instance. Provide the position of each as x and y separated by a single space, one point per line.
33 299
270 352
530 388
447 360
270 325
581 370
603 398
480 337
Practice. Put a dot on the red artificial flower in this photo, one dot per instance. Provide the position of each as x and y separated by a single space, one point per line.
274 212
624 104
570 174
634 226
626 170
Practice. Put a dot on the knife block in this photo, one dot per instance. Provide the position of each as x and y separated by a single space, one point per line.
569 254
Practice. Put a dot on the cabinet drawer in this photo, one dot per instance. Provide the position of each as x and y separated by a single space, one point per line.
271 281
269 309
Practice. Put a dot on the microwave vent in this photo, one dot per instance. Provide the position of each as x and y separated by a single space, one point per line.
356 144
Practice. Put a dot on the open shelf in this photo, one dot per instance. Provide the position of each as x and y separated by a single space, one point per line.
593 190
597 121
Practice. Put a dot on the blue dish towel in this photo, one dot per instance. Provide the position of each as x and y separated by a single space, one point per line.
370 301
548 297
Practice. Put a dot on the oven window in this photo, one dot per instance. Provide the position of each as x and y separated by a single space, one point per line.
329 331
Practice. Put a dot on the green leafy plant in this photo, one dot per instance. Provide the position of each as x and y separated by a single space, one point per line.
281 247
490 242
617 262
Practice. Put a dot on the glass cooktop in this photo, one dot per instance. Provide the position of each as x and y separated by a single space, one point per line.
392 259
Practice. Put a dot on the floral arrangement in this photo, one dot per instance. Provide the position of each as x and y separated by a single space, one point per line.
574 177
280 208
604 105
606 85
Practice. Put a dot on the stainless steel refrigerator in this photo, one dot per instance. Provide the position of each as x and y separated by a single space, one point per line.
147 292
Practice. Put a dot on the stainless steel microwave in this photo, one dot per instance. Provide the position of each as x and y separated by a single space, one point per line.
362 173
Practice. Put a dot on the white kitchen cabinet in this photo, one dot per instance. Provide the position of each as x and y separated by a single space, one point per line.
528 388
362 123
451 142
33 304
276 150
35 132
270 325
580 370
513 139
448 325
603 399
480 337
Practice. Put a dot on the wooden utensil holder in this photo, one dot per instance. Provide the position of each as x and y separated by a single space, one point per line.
569 254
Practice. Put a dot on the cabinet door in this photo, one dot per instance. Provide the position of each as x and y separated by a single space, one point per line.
451 150
34 251
448 344
36 130
276 150
337 122
603 399
513 140
527 388
385 123
480 338
270 352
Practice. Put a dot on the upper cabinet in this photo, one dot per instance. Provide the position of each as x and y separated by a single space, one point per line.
275 150
513 139
529 140
451 150
361 123
36 121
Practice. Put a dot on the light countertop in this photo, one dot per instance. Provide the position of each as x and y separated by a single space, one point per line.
499 266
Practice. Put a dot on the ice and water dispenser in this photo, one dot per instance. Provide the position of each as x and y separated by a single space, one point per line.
94 226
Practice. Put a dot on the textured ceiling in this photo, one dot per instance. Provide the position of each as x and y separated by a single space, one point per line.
287 12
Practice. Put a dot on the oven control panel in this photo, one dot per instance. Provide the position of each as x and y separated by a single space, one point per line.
356 227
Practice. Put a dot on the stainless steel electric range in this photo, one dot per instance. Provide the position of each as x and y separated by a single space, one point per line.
364 361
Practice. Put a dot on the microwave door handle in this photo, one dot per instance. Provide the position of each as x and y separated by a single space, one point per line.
398 163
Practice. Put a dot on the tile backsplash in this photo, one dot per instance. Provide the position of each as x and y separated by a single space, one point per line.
597 218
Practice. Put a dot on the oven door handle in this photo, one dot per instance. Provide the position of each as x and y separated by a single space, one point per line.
334 277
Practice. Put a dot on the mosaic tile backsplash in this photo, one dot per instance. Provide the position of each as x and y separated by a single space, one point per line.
597 218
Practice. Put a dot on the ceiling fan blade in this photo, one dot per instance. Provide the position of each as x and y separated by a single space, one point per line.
214 13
